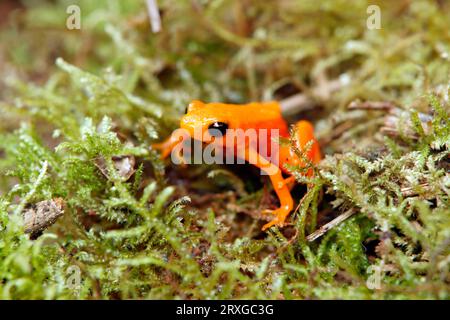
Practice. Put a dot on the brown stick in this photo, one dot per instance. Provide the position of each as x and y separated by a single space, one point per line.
372 105
304 101
330 225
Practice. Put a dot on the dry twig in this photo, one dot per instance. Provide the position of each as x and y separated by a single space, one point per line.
330 225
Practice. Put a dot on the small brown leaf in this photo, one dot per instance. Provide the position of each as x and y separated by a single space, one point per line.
123 164
42 215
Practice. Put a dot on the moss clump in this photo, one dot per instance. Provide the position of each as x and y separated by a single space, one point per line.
151 230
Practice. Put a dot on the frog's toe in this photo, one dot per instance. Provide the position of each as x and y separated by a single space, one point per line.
269 225
163 148
280 217
274 222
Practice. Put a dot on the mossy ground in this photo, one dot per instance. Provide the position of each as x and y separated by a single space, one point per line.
167 233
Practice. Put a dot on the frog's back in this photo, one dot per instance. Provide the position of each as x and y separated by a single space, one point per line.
254 115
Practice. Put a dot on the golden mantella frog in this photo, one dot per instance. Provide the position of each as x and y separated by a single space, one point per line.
210 118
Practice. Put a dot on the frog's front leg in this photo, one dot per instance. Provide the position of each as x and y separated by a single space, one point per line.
165 147
279 184
168 145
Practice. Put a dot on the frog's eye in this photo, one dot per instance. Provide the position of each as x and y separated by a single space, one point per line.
217 127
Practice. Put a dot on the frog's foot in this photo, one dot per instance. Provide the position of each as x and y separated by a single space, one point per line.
280 216
164 147
290 182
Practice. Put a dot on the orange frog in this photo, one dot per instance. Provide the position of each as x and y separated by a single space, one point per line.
210 118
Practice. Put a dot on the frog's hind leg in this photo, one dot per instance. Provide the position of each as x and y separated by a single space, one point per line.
290 182
304 131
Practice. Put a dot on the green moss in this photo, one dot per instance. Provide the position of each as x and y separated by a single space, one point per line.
160 233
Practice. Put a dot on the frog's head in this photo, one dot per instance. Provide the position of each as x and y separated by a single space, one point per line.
208 119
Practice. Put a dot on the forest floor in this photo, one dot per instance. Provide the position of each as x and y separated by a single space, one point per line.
80 108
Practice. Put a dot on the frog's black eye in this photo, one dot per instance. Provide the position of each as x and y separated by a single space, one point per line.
216 127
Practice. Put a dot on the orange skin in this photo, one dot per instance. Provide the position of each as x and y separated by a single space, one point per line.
255 115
